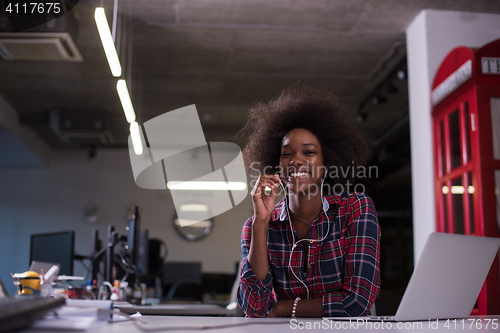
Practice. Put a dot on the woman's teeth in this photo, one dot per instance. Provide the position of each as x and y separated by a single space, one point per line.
299 174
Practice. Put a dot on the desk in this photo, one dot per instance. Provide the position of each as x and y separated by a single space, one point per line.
177 309
275 325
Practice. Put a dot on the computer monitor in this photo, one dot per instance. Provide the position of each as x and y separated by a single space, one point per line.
96 247
177 271
57 247
133 237
138 245
143 254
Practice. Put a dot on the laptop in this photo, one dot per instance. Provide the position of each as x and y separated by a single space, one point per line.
447 279
37 266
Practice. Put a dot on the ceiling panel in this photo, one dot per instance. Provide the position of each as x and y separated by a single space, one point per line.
328 14
224 57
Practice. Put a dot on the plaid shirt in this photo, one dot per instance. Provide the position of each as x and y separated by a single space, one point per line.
343 269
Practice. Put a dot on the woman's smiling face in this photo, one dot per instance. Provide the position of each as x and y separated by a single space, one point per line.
301 161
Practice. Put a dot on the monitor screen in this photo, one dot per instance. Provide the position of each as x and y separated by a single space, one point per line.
133 237
57 247
143 254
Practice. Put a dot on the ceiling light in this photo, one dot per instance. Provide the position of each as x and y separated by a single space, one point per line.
135 135
121 87
457 189
193 208
193 223
107 42
217 186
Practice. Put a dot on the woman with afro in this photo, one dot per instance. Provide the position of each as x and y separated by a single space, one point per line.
316 252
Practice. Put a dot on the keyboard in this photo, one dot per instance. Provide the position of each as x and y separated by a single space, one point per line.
19 312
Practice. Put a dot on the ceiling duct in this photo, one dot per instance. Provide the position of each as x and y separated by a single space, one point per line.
39 46
81 128
51 41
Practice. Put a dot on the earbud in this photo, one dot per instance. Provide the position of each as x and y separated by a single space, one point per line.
267 191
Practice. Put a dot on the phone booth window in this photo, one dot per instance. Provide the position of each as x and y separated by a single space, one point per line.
495 129
454 166
466 147
497 195
470 203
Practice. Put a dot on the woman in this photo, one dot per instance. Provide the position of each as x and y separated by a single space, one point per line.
310 255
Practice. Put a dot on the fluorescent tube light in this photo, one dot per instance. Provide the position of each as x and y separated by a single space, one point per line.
135 135
107 42
193 208
217 186
191 223
121 87
457 189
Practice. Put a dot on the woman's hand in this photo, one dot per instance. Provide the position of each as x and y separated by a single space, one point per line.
281 309
263 205
305 308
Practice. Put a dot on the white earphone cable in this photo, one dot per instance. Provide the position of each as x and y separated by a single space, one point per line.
295 243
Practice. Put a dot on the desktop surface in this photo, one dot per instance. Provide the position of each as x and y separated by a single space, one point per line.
280 325
176 309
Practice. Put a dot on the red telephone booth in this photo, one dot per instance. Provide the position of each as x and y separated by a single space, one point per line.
466 130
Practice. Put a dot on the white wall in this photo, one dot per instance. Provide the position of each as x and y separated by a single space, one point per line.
35 200
430 37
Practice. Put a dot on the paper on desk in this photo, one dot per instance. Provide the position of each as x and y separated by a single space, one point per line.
82 316
71 323
163 324
84 307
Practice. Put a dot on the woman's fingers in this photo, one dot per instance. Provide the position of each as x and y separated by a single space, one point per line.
271 181
264 204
